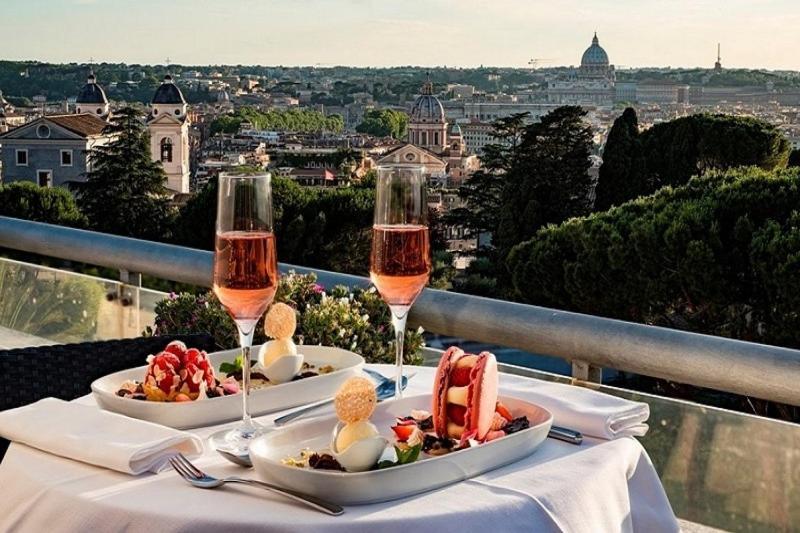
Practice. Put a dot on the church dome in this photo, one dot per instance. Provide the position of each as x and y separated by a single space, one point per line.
427 108
168 93
455 129
594 55
91 93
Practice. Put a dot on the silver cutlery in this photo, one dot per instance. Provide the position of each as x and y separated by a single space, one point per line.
198 478
565 434
241 460
384 389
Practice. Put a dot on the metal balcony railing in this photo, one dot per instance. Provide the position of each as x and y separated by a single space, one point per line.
588 342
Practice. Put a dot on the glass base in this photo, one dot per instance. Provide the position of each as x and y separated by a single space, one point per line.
237 440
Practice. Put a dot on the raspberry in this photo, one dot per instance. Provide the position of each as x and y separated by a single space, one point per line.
456 413
459 377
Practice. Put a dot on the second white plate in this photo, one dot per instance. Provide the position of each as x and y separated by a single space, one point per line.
427 473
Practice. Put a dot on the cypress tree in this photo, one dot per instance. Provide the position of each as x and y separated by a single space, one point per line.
621 174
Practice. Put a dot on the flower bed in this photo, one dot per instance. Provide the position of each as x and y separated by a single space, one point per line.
355 320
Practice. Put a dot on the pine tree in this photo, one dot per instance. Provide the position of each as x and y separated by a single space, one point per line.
548 182
621 173
124 192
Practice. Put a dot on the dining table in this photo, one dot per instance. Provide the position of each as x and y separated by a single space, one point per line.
603 484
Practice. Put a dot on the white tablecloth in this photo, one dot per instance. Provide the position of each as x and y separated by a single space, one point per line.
596 487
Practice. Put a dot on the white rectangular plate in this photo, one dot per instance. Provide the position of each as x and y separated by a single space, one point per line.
214 411
427 473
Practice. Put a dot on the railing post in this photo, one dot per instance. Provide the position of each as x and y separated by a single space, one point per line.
583 371
129 292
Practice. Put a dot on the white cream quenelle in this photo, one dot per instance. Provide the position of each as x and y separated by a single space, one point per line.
278 359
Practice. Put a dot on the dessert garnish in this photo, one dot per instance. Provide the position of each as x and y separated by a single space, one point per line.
356 443
278 358
308 458
324 461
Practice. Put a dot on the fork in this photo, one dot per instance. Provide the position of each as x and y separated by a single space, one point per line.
198 478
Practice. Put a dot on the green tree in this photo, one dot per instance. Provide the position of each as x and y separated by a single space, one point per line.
621 172
53 205
327 228
718 255
548 181
194 225
483 190
794 158
124 193
674 151
225 124
384 123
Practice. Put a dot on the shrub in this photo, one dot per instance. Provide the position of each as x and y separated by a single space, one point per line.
53 205
720 255
355 320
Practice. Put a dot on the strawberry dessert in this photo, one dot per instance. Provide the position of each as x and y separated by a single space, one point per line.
178 374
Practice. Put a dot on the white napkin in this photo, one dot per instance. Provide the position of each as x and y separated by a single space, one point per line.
592 413
86 433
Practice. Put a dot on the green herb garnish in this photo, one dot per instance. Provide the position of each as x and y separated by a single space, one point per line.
404 456
235 366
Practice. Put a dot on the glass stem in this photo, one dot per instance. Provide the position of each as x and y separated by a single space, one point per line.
246 342
399 316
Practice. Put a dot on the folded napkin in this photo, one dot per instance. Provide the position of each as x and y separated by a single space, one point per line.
593 413
86 433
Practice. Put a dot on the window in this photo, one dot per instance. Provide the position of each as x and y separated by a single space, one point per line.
66 158
177 111
99 111
22 158
166 150
43 132
45 178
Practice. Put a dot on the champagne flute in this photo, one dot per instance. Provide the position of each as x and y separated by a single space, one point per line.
400 263
245 277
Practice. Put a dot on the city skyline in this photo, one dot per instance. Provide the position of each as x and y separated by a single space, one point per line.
431 33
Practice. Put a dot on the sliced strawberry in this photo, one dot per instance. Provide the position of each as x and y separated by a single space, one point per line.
459 377
403 432
456 413
504 412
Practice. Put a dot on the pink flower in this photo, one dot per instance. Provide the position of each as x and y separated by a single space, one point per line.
318 288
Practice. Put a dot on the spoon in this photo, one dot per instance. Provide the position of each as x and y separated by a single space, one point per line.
383 390
241 460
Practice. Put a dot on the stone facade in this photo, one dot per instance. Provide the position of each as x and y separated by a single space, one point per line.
48 152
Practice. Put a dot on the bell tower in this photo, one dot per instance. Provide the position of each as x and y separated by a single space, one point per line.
169 134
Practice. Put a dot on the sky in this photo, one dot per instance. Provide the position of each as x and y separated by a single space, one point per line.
466 33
